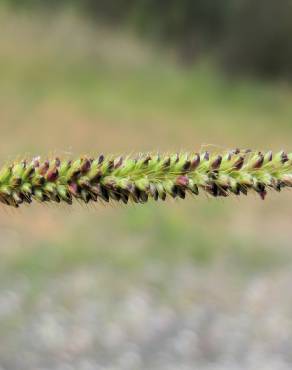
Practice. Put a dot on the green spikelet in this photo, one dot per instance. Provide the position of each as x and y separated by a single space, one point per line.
147 176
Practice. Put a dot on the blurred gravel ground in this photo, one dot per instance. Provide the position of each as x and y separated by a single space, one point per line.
183 318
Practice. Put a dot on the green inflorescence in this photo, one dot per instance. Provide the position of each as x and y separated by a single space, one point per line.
147 176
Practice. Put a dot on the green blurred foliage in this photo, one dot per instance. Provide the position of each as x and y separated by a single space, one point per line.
248 36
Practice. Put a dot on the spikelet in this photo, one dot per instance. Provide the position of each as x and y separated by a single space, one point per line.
119 179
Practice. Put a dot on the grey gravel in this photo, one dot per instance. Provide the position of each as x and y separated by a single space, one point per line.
171 318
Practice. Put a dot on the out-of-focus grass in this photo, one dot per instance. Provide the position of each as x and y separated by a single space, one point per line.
70 80
127 240
70 87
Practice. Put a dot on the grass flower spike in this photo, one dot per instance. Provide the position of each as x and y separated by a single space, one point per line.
147 176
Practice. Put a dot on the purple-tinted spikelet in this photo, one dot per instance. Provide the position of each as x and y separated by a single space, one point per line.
124 179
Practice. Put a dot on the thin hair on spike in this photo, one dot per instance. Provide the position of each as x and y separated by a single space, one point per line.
144 177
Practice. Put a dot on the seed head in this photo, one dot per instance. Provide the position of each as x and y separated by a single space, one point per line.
124 179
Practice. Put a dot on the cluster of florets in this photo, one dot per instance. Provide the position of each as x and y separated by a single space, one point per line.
146 176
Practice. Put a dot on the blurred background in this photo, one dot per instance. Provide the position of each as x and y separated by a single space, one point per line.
191 284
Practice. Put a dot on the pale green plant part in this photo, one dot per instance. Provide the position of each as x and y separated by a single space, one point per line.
137 179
